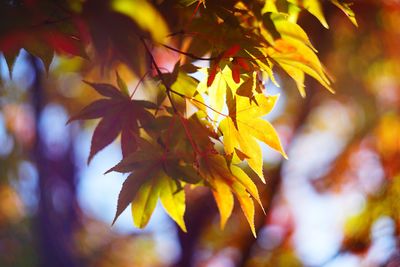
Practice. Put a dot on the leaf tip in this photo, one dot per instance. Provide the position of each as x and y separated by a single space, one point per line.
263 209
262 178
114 220
222 224
253 231
90 158
88 83
108 171
302 92
183 228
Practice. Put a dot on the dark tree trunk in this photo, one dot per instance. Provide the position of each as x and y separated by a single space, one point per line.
57 215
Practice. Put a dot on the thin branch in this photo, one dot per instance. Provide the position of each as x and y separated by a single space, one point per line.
197 101
253 59
207 106
193 14
50 22
137 85
159 73
176 33
187 132
168 91
189 54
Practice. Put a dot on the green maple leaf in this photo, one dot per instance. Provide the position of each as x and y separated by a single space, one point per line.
156 173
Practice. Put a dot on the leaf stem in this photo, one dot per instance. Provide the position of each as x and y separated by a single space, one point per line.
168 137
159 73
137 85
187 132
189 54
169 90
50 22
198 101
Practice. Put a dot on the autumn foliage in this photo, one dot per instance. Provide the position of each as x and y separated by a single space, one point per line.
202 123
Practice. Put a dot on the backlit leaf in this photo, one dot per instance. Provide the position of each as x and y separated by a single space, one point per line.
224 183
245 180
119 114
122 85
94 110
314 7
106 90
347 10
106 131
145 202
246 203
295 56
130 187
145 15
251 126
224 199
173 200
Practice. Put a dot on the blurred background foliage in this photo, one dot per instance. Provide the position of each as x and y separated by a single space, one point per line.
335 202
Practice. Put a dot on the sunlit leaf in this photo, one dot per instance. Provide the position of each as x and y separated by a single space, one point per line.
314 7
130 188
295 57
122 85
246 203
173 200
224 183
145 15
145 202
345 7
251 127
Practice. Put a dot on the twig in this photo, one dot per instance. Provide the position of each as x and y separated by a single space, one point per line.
139 82
160 75
190 54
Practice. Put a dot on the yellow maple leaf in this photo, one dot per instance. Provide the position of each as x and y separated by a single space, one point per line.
250 126
228 181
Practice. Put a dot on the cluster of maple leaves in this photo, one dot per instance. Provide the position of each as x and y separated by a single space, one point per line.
196 132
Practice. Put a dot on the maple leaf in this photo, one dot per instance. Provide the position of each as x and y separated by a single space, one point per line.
156 173
242 130
345 7
115 38
175 145
41 29
144 14
173 200
225 182
119 114
314 7
249 88
217 91
294 56
229 57
145 201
